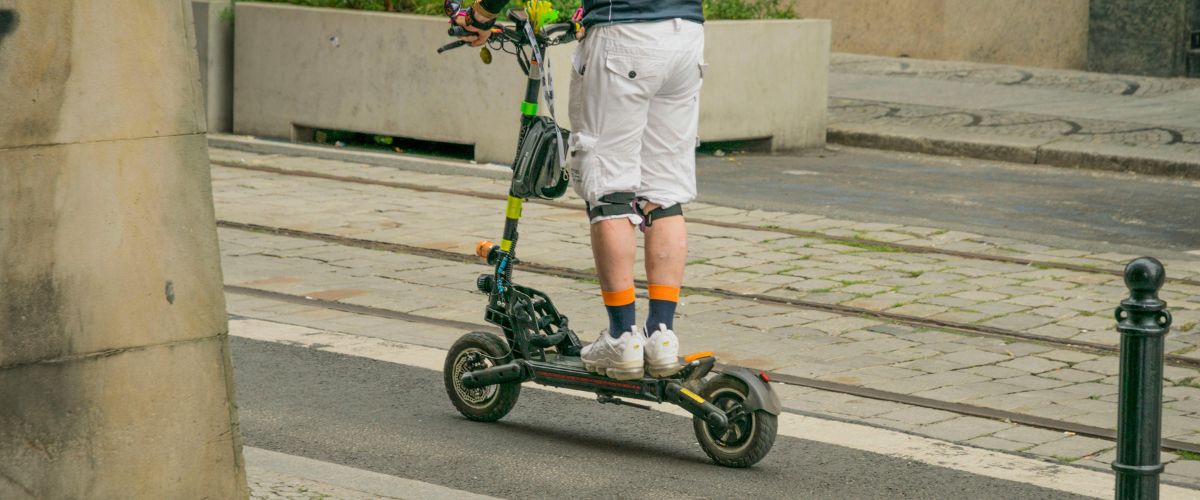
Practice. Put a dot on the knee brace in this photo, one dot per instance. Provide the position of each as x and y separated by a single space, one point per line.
612 204
658 213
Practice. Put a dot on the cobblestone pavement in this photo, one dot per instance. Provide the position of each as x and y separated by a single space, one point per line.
1062 121
1025 377
997 74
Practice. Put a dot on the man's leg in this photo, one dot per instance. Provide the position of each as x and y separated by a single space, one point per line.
614 248
669 180
666 255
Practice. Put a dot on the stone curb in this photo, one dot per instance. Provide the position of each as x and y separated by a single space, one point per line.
1019 150
256 145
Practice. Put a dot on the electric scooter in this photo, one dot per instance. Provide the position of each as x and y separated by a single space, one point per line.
734 412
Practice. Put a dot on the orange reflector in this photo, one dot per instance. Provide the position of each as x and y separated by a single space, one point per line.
764 377
483 247
696 355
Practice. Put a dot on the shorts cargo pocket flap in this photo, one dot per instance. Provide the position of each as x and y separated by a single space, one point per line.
632 67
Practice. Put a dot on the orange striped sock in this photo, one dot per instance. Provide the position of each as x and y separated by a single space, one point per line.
622 313
663 299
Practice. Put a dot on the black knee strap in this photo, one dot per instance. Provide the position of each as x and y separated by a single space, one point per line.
661 212
612 204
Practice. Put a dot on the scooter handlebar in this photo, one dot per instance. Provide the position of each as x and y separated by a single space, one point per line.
451 46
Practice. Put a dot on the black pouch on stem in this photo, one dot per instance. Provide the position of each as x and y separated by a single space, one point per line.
537 172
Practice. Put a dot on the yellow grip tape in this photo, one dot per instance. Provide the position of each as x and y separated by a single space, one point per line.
514 208
695 397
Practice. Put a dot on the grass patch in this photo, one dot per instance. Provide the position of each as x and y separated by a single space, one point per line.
697 262
853 282
1187 455
869 246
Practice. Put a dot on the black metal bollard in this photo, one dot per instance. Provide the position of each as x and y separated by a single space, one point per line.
1143 321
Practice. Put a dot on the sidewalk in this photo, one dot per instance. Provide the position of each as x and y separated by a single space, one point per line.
1028 115
761 257
278 476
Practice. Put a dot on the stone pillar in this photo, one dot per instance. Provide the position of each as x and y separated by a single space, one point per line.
1143 37
115 376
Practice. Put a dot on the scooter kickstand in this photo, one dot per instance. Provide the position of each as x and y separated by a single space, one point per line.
606 399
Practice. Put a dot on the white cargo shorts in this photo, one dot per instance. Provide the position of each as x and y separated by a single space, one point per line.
635 105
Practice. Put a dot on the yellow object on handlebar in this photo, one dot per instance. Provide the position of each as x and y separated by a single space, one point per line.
541 13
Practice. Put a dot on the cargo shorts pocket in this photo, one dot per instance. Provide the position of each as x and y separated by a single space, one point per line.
581 152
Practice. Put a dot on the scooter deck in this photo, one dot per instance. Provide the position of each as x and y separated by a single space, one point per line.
568 372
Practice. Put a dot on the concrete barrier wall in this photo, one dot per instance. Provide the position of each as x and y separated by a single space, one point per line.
379 73
115 377
1051 34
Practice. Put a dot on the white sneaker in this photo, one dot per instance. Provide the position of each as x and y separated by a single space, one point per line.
619 358
662 353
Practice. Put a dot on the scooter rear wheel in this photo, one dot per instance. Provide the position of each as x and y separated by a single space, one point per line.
750 434
476 351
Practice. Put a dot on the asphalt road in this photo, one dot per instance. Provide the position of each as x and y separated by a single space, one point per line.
1054 206
395 419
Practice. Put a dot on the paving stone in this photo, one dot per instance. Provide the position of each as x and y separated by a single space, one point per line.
973 357
770 322
1032 364
1068 356
994 372
933 336
1090 389
915 415
1034 300
993 443
918 310
1107 365
1036 383
1072 447
1017 322
1030 435
892 329
875 303
1016 349
1187 468
930 381
965 392
979 296
1056 331
841 325
931 365
996 308
1071 375
1175 373
1055 313
1092 323
885 344
949 301
962 428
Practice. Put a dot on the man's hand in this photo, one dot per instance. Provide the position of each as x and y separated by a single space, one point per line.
481 36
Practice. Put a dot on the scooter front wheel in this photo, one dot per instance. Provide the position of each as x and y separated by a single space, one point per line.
750 433
476 351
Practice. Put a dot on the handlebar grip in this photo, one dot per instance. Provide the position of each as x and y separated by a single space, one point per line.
451 46
458 31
